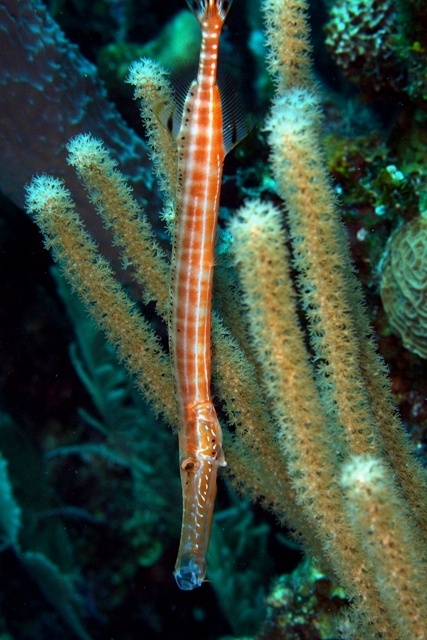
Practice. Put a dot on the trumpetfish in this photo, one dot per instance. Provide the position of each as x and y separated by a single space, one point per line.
203 140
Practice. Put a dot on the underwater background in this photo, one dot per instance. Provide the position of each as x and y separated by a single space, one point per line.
90 511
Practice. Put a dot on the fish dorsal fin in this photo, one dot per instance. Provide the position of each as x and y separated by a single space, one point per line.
181 81
166 115
236 123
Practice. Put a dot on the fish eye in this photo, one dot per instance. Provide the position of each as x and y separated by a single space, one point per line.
189 465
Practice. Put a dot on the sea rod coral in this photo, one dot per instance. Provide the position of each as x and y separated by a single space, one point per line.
325 449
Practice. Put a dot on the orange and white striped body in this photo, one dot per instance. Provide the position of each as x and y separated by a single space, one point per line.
201 153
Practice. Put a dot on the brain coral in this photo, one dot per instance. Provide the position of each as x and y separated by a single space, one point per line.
404 284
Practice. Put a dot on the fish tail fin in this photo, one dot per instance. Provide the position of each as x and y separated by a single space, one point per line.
203 9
